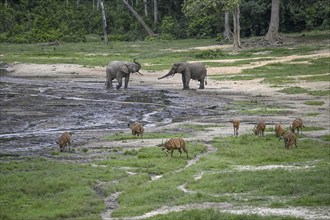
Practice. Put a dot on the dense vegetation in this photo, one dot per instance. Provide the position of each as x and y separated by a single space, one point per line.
29 21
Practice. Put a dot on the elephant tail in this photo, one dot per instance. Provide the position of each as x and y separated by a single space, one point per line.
206 80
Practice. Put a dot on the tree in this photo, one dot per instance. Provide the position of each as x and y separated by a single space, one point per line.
201 7
237 27
228 34
104 22
139 18
233 6
145 3
272 35
155 12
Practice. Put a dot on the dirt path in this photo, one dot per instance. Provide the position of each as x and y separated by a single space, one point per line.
297 212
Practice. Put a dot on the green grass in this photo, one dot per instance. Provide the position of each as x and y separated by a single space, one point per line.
312 114
153 54
197 127
254 107
163 135
33 187
220 178
314 103
43 189
320 92
160 53
286 73
326 138
294 90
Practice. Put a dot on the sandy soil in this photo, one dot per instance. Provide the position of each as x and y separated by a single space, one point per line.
40 101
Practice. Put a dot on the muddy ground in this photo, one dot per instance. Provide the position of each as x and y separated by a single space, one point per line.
39 102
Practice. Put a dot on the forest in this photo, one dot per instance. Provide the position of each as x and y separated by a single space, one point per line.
33 21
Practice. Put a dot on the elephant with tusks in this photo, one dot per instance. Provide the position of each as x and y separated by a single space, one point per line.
195 71
119 70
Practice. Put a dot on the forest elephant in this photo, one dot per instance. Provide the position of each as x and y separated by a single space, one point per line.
119 70
195 71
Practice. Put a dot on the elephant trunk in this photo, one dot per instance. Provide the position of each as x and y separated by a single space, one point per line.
171 73
138 66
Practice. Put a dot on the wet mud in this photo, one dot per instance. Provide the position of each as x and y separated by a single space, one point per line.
35 110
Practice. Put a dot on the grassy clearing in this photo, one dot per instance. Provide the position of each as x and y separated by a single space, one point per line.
163 135
159 53
42 189
254 107
153 54
326 138
299 90
196 127
286 73
314 103
312 114
300 187
45 189
33 187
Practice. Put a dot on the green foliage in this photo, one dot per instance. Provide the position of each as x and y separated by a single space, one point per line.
202 27
168 27
42 21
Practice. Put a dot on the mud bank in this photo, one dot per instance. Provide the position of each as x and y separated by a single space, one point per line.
36 109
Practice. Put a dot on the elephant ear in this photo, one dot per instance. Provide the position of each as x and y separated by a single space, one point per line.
125 68
180 67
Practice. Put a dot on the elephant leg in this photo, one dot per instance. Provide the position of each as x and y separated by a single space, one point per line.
185 81
126 81
119 81
109 85
108 82
201 85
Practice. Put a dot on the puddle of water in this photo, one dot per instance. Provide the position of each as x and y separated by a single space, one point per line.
154 177
270 167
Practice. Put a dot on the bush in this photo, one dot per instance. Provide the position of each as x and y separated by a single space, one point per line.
168 26
118 37
202 27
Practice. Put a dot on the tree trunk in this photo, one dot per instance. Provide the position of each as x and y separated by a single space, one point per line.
228 34
237 28
155 12
272 35
138 17
145 7
104 22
